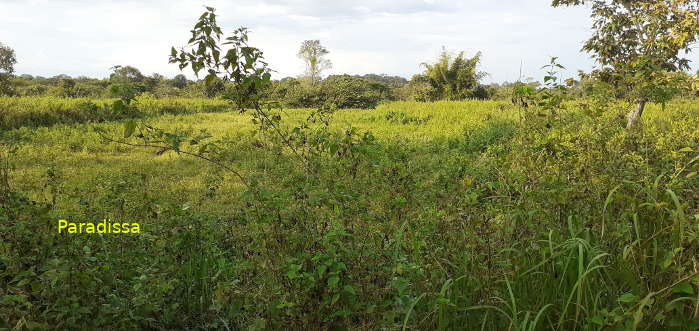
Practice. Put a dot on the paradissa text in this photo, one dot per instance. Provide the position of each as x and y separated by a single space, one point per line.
106 226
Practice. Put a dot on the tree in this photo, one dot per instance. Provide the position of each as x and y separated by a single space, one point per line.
454 78
65 88
126 82
126 74
180 81
418 89
390 81
313 54
345 91
291 92
7 67
7 59
150 82
638 45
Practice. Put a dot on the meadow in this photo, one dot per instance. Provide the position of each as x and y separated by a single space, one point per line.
18 112
471 215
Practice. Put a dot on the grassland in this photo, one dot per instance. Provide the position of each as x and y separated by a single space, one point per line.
450 216
18 112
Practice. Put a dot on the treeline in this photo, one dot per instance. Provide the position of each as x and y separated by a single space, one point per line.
345 91
122 80
449 78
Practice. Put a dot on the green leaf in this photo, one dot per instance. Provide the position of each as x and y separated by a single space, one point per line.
119 106
597 320
209 79
628 298
349 289
684 288
667 261
333 281
202 149
129 128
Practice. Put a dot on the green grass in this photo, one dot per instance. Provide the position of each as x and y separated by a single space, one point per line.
458 215
17 112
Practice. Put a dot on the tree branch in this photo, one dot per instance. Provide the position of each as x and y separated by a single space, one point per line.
166 148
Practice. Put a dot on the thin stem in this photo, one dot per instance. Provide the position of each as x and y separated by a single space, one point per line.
166 148
284 138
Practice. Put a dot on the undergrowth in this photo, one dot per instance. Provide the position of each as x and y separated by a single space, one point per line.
582 226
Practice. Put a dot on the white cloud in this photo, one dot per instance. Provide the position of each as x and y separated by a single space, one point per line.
87 37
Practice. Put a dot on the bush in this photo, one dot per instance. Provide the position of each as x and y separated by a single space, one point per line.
454 214
16 112
343 91
351 92
294 93
416 91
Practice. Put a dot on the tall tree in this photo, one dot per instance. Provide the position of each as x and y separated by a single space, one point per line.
180 81
126 74
7 59
313 54
7 67
454 77
65 88
126 82
638 45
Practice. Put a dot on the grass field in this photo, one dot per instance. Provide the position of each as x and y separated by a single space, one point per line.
449 216
17 112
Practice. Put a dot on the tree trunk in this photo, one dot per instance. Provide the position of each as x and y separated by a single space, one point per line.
635 115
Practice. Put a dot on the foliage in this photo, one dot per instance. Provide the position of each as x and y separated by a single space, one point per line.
292 92
126 74
240 64
457 204
419 89
7 59
549 98
341 91
392 82
454 78
180 81
349 92
638 45
447 215
313 55
65 88
7 67
113 87
17 112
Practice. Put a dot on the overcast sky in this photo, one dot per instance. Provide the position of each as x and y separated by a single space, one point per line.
87 37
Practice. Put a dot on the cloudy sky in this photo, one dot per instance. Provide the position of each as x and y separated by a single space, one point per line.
87 37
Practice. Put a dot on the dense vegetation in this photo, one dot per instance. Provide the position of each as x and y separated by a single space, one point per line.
20 112
553 207
454 214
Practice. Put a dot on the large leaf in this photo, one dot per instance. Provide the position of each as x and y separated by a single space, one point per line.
129 128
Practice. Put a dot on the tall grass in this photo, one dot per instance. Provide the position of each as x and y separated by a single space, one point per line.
17 112
459 216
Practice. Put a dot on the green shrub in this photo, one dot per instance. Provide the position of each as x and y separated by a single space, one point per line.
351 92
450 215
16 112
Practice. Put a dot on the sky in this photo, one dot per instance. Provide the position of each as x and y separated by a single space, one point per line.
87 37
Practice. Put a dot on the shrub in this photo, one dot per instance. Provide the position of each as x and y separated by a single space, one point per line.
351 92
